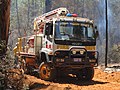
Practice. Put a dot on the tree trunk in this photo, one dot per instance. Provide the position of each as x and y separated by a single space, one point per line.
4 24
47 5
18 21
28 16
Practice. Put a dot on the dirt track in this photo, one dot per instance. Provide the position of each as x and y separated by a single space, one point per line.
101 81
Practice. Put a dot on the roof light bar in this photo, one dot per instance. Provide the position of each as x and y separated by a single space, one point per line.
71 15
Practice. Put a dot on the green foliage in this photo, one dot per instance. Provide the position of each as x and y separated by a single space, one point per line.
2 46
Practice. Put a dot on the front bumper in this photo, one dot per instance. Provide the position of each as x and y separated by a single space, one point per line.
70 59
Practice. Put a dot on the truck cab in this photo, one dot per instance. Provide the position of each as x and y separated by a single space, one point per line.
67 45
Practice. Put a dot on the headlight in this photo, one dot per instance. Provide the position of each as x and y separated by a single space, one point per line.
73 52
82 51
62 60
78 51
59 60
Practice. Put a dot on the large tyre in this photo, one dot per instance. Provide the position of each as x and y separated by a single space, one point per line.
47 71
61 73
86 74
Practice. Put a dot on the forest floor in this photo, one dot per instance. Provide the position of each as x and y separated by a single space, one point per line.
101 81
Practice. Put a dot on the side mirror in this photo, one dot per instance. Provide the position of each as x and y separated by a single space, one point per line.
96 32
95 27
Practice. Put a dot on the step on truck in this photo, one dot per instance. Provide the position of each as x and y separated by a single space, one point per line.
62 44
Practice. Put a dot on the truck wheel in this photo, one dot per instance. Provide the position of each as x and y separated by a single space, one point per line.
86 74
47 71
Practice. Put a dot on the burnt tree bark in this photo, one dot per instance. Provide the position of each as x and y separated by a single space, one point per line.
4 24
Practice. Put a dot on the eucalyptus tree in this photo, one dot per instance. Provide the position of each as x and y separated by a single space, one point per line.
4 24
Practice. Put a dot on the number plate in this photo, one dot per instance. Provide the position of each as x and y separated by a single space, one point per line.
77 59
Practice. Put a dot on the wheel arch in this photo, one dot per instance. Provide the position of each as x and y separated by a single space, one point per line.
44 56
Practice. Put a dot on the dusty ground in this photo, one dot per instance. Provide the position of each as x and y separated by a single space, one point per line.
101 81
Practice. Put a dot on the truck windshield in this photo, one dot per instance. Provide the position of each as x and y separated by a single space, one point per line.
74 31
